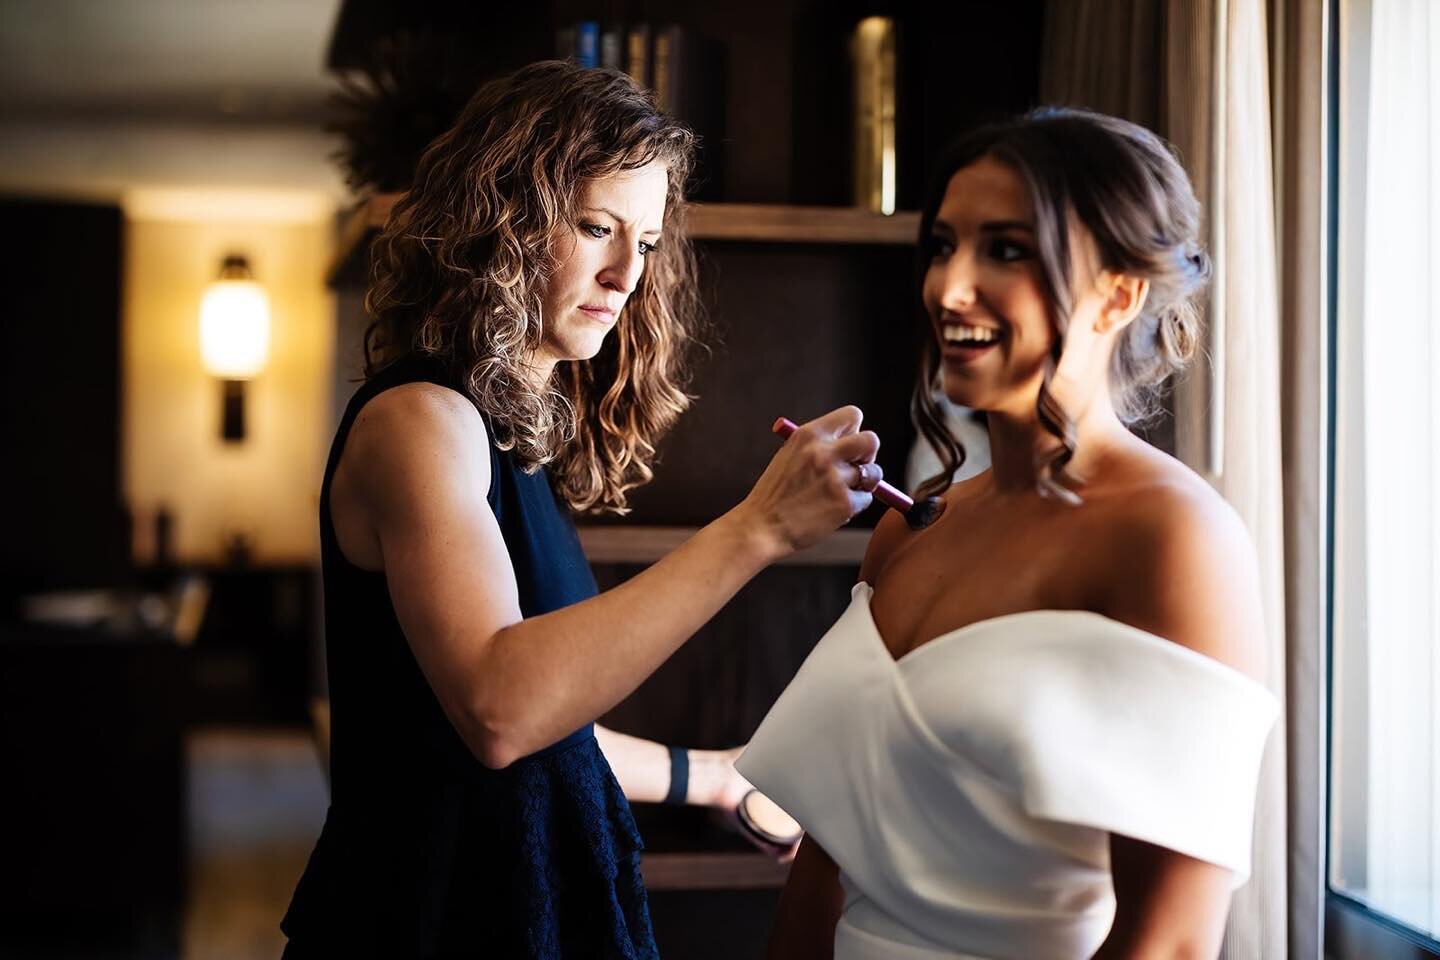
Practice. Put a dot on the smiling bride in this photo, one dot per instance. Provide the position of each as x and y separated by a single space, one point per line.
1036 732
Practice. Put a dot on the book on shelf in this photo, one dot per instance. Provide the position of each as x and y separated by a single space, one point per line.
637 53
872 51
587 43
612 47
689 83
684 68
580 42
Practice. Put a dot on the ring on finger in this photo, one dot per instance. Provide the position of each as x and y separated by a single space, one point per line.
867 476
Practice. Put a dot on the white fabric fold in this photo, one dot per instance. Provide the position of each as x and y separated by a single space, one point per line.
968 790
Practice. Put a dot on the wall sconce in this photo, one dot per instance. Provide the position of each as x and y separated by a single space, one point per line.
234 338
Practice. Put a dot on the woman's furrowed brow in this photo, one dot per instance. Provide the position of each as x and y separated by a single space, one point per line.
619 219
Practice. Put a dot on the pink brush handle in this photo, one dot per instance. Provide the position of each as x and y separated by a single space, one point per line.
885 493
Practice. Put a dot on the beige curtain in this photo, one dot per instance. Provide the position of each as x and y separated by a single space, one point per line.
1210 96
1298 101
1246 420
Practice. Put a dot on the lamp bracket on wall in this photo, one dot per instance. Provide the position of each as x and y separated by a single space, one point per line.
232 410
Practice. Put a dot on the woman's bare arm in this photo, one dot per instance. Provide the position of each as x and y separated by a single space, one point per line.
642 768
418 463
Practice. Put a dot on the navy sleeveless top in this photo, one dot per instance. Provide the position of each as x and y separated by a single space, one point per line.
425 851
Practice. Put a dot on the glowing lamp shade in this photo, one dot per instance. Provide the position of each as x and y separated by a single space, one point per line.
234 339
234 327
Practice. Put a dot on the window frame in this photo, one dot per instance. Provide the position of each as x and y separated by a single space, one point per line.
1352 931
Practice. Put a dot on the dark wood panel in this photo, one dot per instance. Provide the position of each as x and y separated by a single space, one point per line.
963 63
785 73
713 924
713 871
717 688
60 398
798 331
503 36
635 544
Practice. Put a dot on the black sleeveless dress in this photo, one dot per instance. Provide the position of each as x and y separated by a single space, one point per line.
426 852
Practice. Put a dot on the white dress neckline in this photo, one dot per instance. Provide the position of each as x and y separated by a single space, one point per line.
864 591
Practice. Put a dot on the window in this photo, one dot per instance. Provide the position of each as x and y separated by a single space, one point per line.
1384 841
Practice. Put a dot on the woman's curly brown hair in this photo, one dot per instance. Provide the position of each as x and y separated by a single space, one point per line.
461 268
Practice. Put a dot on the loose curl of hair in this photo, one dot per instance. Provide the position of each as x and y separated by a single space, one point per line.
1125 187
461 269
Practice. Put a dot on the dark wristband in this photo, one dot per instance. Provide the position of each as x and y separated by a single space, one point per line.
679 775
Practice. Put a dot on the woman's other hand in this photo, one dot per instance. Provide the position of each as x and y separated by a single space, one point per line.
723 788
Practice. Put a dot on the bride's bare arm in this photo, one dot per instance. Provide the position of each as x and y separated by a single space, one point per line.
1189 575
810 907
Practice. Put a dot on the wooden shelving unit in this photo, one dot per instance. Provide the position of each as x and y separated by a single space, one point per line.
767 223
738 222
635 544
808 307
712 871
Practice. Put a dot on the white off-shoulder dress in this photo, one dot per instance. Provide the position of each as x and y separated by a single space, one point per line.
967 791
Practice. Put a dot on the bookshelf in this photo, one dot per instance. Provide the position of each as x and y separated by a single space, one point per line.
778 223
712 871
628 544
740 222
812 305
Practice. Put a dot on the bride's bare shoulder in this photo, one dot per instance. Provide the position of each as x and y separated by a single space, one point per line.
1183 566
892 530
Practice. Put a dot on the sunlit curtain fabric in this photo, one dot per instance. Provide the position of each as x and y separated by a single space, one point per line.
1298 98
1212 100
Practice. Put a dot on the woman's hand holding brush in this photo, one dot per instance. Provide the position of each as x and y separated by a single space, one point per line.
917 515
815 483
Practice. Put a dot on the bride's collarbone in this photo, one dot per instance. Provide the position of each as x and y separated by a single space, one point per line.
986 566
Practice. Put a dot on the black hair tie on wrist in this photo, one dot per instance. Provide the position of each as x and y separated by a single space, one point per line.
679 776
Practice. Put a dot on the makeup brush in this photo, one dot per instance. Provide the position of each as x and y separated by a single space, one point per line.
917 515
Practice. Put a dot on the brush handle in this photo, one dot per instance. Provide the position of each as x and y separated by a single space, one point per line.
885 493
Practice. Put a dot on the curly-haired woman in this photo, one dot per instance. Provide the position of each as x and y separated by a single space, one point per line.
532 304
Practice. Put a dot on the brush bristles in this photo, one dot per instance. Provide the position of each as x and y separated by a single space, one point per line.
924 513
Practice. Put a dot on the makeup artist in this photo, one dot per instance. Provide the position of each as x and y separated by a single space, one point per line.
532 301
